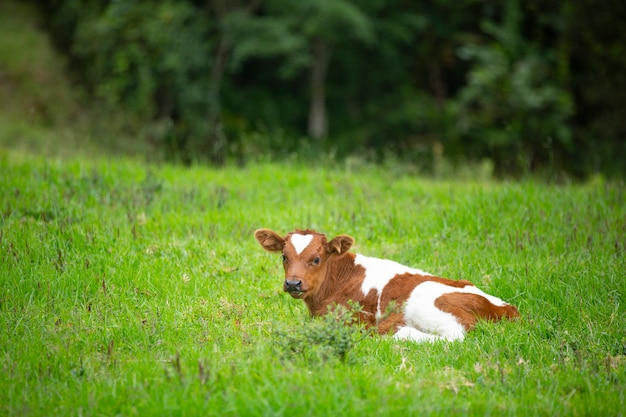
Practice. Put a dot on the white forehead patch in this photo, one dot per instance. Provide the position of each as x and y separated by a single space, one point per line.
300 242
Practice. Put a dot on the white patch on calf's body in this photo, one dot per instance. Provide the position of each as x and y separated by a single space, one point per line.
411 333
300 242
473 290
423 320
378 273
420 310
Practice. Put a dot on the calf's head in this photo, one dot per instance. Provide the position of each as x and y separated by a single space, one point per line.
305 257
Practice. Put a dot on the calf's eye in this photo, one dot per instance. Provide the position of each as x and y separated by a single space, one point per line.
284 258
316 261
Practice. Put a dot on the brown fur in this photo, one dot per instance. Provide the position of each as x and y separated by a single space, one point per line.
469 308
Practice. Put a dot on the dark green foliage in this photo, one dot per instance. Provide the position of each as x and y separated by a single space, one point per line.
531 86
149 59
596 48
514 107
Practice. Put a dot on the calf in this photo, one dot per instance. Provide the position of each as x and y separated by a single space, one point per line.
410 303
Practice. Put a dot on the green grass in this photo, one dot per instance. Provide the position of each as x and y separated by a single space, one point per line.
134 289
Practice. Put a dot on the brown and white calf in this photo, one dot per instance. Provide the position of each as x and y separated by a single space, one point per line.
427 308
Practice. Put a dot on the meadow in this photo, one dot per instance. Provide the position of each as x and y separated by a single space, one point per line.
138 289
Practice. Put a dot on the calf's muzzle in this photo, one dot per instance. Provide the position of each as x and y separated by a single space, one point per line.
293 285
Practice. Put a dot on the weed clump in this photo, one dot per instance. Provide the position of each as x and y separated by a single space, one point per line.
331 336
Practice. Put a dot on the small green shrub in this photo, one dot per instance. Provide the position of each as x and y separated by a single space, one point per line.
333 335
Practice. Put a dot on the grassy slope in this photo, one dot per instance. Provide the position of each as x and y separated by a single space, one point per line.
139 289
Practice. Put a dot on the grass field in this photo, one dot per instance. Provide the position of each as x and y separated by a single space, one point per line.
134 289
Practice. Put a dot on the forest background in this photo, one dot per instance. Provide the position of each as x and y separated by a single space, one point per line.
522 86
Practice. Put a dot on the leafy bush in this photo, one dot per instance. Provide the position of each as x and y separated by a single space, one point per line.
145 62
333 335
513 109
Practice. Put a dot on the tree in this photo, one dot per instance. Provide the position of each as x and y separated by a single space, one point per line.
229 17
304 34
141 62
514 108
594 51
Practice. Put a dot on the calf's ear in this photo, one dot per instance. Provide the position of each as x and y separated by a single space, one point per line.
340 244
270 240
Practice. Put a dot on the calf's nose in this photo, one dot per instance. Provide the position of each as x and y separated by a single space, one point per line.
293 285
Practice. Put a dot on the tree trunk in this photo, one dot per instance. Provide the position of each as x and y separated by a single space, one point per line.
216 139
318 121
220 10
437 83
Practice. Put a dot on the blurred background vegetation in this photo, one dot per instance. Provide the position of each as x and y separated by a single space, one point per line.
522 86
